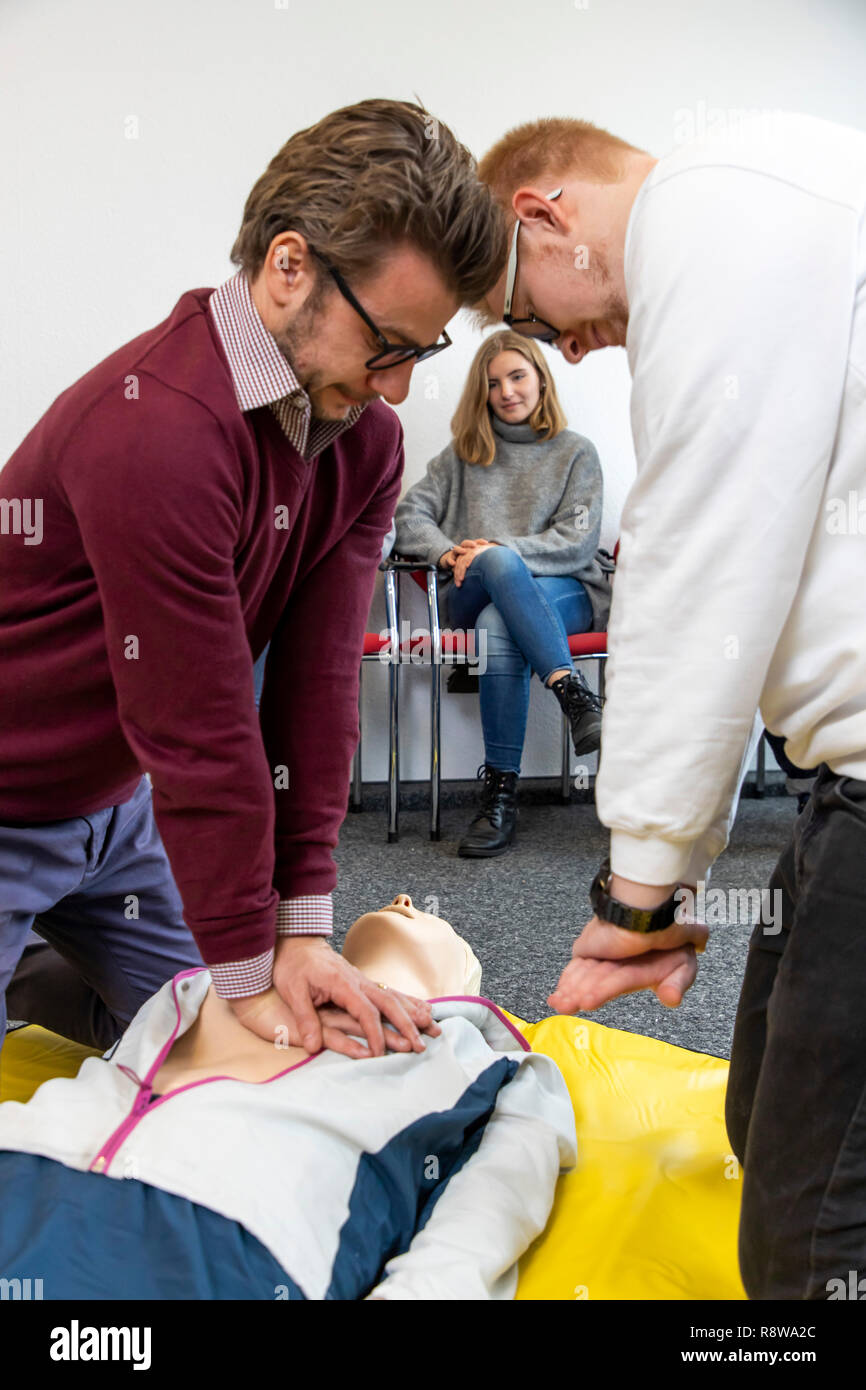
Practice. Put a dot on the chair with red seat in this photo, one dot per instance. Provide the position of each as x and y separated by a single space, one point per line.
433 647
376 646
583 646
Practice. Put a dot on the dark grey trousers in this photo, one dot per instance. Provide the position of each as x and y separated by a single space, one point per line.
796 1098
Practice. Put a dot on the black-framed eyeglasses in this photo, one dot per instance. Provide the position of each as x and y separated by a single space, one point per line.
531 327
391 354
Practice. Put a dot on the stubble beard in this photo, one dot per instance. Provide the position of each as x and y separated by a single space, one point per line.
293 343
615 308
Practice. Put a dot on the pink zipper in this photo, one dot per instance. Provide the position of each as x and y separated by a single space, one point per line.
107 1152
102 1162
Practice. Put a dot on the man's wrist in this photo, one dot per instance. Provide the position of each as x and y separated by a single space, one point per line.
311 914
626 890
239 978
297 942
642 911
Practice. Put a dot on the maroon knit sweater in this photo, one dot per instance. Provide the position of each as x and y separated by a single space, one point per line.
128 634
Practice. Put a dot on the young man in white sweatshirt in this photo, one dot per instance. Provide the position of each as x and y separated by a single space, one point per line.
734 272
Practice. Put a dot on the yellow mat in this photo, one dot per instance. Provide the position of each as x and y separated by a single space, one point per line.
652 1207
650 1211
32 1055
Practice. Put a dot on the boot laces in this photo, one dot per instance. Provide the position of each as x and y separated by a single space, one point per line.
580 696
494 783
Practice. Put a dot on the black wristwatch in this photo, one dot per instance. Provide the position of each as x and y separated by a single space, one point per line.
642 919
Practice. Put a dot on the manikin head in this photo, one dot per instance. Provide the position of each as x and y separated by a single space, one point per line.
377 201
567 188
412 951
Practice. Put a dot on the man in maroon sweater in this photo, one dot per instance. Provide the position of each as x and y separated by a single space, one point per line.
222 482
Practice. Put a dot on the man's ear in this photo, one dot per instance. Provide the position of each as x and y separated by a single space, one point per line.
536 208
288 271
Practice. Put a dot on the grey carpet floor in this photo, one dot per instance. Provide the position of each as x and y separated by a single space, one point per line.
520 912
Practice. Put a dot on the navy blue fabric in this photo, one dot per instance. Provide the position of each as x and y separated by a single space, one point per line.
73 879
259 675
93 1237
397 1188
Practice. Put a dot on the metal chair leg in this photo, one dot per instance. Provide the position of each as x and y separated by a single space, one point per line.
435 704
564 789
393 611
602 669
761 775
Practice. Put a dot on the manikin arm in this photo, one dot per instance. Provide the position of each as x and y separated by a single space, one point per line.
496 1205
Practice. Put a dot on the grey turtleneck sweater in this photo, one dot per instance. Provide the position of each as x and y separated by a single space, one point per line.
540 497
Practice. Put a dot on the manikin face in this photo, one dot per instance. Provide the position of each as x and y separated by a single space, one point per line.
326 341
412 951
513 387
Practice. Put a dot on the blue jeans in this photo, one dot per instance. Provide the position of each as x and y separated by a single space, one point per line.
527 620
98 888
259 675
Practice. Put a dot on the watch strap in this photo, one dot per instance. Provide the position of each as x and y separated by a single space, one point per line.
619 914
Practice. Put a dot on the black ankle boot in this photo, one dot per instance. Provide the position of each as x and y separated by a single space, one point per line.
583 710
492 830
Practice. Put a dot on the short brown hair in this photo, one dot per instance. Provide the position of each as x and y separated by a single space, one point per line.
474 440
368 177
551 148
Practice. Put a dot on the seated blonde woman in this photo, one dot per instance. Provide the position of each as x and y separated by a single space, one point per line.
510 513
198 1161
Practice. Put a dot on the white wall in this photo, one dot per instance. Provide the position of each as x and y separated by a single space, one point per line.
101 232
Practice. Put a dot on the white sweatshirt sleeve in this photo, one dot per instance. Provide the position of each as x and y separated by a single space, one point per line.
496 1205
741 292
715 837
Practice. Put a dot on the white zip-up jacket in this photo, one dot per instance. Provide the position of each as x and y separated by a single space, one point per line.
742 563
417 1176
